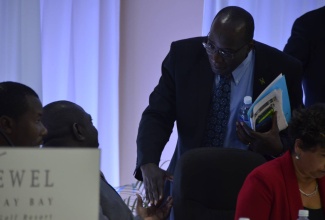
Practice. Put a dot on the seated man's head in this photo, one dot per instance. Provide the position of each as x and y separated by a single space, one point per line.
20 116
68 126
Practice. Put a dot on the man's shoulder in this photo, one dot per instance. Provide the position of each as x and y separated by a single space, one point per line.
189 49
189 42
310 19
267 50
274 53
313 14
262 46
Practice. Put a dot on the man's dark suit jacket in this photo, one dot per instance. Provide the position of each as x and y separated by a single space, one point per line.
307 44
184 94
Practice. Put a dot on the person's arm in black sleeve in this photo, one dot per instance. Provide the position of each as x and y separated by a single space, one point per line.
154 131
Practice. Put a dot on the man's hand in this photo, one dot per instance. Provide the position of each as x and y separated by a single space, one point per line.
154 212
154 181
268 143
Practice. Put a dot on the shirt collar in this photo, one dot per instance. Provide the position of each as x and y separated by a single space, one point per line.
238 73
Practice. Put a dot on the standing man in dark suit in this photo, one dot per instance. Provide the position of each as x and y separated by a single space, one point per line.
307 44
191 70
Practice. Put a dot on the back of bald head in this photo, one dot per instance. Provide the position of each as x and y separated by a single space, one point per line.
58 118
237 18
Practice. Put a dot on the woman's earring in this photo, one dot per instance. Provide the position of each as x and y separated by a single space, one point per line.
297 156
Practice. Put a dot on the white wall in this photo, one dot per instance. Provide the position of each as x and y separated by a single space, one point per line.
147 29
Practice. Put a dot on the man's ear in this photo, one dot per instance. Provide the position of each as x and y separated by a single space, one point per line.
6 124
77 132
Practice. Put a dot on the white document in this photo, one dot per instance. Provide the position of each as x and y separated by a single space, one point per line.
274 97
265 108
49 184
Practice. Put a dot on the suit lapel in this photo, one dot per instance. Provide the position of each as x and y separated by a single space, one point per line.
205 85
205 80
262 75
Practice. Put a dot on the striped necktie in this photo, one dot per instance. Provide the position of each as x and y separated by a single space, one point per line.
219 114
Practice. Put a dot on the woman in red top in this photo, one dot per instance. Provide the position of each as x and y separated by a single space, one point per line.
279 188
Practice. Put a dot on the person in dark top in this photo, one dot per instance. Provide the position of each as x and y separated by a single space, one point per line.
70 126
307 44
191 75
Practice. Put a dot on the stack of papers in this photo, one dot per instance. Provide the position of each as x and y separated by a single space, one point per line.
275 97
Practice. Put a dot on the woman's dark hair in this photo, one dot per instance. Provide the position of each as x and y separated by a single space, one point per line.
308 125
13 102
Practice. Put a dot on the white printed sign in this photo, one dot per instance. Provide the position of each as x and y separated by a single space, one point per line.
49 184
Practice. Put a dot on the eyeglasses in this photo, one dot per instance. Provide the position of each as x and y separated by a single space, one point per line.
212 50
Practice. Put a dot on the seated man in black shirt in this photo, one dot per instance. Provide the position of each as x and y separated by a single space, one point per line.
70 126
